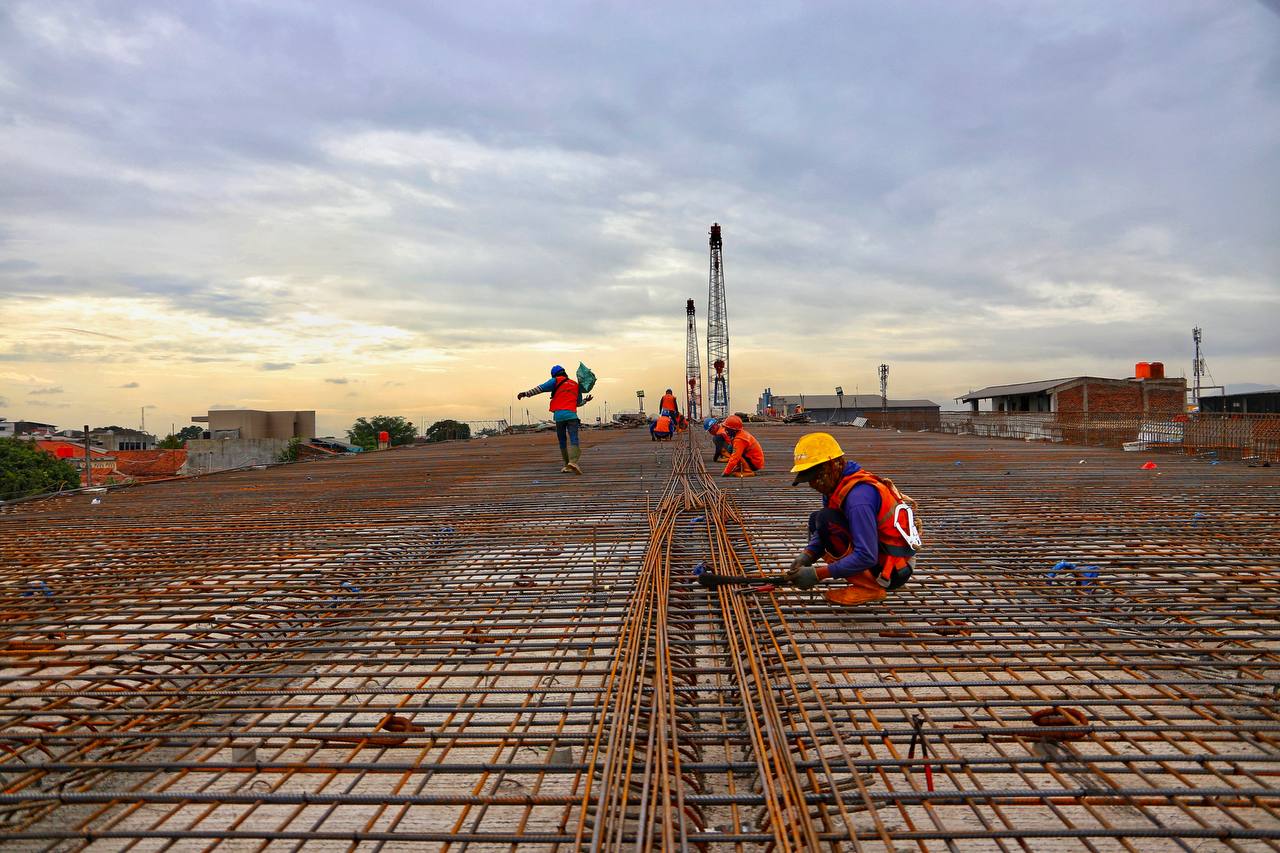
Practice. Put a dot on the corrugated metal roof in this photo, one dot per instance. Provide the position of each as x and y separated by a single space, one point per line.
1014 390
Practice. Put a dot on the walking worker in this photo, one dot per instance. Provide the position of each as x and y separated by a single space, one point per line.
667 406
747 456
866 530
565 400
662 428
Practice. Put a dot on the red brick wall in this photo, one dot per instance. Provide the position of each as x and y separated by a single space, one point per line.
1105 399
1162 401
1113 400
1071 400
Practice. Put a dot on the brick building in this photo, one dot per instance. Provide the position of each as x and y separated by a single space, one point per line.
1086 395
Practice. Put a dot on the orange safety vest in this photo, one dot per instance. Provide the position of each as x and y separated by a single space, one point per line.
564 397
668 403
663 424
895 554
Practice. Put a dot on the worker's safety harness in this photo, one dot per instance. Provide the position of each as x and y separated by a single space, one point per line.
896 528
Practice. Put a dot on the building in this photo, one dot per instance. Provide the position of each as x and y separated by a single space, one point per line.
1248 403
119 438
103 463
19 429
1089 395
252 423
833 408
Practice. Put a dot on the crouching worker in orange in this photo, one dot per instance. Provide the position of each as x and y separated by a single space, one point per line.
865 532
748 456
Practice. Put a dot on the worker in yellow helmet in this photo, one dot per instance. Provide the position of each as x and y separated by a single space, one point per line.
865 532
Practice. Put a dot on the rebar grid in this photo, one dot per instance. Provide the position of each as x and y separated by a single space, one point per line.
458 645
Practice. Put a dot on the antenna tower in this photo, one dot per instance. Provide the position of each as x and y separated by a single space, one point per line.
717 331
1198 369
884 387
692 367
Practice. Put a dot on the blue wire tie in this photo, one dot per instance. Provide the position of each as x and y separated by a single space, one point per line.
1088 575
1060 566
350 587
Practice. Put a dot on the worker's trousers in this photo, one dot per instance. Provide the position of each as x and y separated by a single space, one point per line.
567 431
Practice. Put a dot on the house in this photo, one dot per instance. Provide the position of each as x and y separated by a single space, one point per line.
118 438
838 408
1249 403
1086 395
20 429
102 464
252 423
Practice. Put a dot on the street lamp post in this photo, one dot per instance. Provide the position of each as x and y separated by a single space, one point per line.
640 399
840 397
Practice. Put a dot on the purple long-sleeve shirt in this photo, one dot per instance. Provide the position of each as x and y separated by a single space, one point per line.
861 509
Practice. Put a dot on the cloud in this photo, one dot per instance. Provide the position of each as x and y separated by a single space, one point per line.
130 385
338 381
50 389
1054 198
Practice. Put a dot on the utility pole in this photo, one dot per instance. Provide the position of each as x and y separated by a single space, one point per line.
717 330
88 461
884 388
840 397
692 367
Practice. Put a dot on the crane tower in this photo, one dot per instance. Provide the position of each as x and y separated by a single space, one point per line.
692 367
717 332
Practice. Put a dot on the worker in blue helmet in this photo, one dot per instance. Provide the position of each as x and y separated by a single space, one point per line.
566 397
721 438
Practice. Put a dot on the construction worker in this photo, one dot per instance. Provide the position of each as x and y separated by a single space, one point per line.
565 400
747 456
667 406
718 436
865 531
662 427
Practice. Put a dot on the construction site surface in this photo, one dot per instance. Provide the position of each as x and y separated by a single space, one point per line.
459 647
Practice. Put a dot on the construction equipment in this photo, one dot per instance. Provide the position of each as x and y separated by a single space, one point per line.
692 367
705 577
717 330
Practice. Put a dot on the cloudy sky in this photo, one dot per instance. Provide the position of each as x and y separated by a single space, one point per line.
416 208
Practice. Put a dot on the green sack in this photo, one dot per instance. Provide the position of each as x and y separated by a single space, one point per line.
586 379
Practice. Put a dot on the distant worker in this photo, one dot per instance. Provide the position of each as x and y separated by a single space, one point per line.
565 400
721 440
746 456
865 532
682 423
668 404
662 427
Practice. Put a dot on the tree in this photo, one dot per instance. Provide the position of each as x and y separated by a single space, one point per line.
180 438
27 470
364 431
448 431
290 453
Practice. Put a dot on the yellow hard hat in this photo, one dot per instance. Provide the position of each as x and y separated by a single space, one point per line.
814 449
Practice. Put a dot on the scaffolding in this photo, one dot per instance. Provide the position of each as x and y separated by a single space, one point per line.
388 649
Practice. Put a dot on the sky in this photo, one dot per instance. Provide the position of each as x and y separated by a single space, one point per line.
417 208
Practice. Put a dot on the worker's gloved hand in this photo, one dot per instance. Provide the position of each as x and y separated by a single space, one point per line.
521 396
803 577
803 559
587 399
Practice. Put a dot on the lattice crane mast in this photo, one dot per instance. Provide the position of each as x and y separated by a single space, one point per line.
717 331
692 367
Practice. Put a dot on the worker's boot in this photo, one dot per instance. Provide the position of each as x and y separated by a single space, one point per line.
564 454
575 453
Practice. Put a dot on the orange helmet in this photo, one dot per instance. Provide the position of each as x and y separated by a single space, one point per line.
732 422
